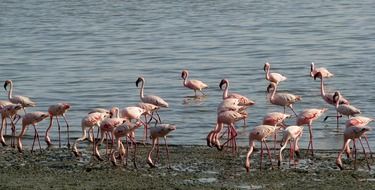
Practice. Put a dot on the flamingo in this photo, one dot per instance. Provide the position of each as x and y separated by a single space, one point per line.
9 111
33 119
342 109
324 72
228 118
125 130
359 121
273 77
134 112
23 100
151 99
291 133
282 99
101 110
259 133
107 126
2 104
275 119
193 84
328 97
306 117
243 100
57 110
88 123
352 133
161 130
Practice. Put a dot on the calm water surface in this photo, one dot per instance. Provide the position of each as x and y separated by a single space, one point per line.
90 53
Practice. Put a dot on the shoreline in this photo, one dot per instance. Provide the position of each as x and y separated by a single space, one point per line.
192 167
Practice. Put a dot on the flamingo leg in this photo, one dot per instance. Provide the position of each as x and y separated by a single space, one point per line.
368 145
149 159
311 140
67 128
269 153
261 154
364 152
3 123
58 127
166 148
355 154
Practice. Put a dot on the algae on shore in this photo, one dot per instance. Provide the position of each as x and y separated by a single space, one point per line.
192 167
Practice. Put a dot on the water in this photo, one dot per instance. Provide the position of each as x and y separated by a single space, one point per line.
90 53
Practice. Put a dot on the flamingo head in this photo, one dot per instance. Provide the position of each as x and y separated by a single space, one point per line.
336 97
318 75
140 79
223 81
272 86
6 83
312 67
266 66
184 74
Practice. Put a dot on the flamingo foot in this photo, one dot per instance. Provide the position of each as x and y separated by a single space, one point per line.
152 165
114 163
219 147
340 166
297 154
76 153
3 143
19 149
99 158
279 163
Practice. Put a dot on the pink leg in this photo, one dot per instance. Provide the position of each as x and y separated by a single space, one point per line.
368 145
67 128
311 140
166 148
58 128
355 154
269 153
364 152
261 154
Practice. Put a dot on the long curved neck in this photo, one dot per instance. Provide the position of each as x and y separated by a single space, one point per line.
141 91
338 101
322 87
10 92
268 73
273 93
247 164
185 80
225 93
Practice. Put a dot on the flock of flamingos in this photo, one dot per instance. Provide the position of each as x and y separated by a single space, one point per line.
115 124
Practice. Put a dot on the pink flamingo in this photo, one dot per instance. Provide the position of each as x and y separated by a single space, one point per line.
101 110
151 99
161 130
125 130
306 117
352 133
229 118
107 126
150 109
273 77
342 109
24 101
135 113
9 111
193 84
243 100
328 97
291 133
2 104
324 72
57 110
275 119
359 121
282 99
33 119
259 133
88 123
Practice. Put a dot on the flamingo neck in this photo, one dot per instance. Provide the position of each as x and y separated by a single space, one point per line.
225 93
268 73
247 164
273 93
141 91
185 80
322 87
10 92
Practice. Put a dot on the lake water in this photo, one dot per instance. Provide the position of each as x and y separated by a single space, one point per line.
89 53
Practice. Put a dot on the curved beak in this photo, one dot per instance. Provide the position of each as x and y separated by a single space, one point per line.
5 85
137 82
221 84
264 68
336 97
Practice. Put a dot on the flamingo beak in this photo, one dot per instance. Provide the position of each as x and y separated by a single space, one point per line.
137 82
265 66
268 88
221 84
5 85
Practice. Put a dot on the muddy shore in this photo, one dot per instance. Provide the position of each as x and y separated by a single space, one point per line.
192 167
